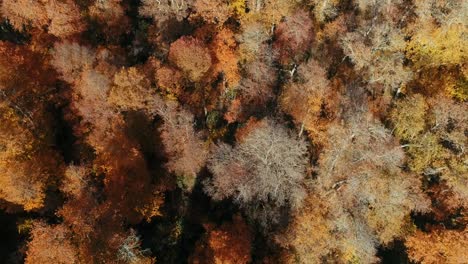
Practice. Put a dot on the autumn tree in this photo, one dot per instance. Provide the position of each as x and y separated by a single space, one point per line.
130 250
438 246
70 59
267 166
268 12
90 94
385 65
293 37
212 11
191 56
368 199
75 180
161 11
65 18
51 244
437 35
26 165
310 101
25 13
325 10
170 80
62 18
224 47
255 90
131 91
252 40
186 151
309 236
28 161
110 15
409 117
229 243
376 159
435 132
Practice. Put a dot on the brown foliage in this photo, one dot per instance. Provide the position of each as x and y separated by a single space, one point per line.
170 80
161 11
435 131
25 12
186 151
212 11
256 88
109 12
311 101
65 18
70 59
293 37
74 181
89 101
27 160
62 18
191 56
309 237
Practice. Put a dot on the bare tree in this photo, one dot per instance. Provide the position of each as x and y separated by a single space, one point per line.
268 165
130 251
186 151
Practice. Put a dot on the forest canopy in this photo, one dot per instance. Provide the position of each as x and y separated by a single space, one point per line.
233 131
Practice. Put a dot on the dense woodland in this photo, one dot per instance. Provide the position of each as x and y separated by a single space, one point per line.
233 131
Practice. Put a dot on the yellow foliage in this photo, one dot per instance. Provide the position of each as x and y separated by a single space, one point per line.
424 152
152 208
268 12
25 226
21 178
438 46
459 90
238 7
409 117
457 176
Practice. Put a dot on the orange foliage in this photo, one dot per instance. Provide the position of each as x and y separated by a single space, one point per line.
438 246
65 18
228 244
131 91
311 101
309 237
62 18
170 80
51 244
224 48
24 12
27 162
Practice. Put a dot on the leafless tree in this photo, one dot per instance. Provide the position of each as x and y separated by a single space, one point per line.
268 165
